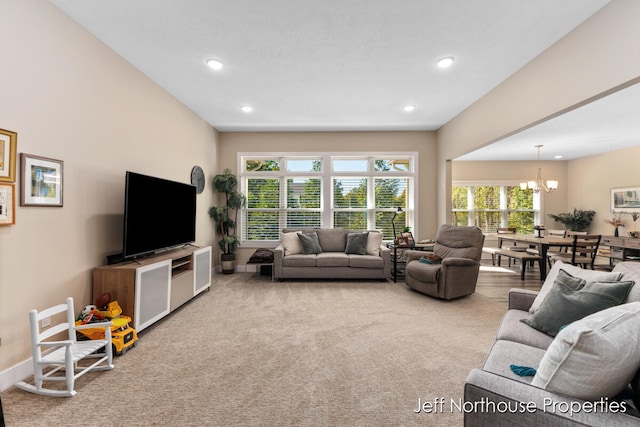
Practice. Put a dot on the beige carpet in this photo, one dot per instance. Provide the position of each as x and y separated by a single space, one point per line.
252 352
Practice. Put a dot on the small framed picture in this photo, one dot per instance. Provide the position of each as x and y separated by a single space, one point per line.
7 204
8 147
409 236
41 181
403 242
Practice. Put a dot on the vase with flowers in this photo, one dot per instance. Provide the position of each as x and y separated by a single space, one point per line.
616 221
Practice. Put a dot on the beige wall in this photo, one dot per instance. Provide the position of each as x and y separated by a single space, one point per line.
589 62
359 142
592 178
71 98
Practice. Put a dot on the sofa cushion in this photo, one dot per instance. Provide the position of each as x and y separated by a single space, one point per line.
310 243
374 241
332 259
572 298
332 239
512 329
503 354
299 260
589 275
630 270
357 243
594 357
365 261
291 243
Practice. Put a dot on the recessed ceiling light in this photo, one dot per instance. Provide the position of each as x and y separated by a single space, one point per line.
557 157
446 62
215 64
246 108
409 108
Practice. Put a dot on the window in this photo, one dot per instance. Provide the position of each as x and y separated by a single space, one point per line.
348 191
495 206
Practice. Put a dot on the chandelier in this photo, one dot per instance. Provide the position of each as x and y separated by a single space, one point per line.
539 184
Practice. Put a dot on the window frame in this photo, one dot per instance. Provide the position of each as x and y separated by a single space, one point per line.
538 201
327 175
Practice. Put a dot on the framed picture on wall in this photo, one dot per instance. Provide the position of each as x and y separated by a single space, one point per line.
40 180
625 199
7 204
8 147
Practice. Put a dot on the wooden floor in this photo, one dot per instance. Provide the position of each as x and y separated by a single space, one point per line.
494 282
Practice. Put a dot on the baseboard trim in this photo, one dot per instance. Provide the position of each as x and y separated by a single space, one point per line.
15 374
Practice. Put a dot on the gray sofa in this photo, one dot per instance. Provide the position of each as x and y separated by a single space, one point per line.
572 369
373 261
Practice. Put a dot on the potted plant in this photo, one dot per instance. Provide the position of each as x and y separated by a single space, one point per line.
226 218
578 220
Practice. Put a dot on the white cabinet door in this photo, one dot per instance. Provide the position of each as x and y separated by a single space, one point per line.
152 294
202 269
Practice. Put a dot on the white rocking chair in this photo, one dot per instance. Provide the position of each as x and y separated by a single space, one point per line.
62 357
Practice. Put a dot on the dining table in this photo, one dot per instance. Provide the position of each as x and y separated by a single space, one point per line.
541 244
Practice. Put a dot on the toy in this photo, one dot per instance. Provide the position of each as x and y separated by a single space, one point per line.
123 337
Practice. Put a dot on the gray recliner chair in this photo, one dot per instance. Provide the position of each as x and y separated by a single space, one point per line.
460 248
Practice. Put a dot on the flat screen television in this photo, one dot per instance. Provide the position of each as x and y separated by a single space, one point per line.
158 214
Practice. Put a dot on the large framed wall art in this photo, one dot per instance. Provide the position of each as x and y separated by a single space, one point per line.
625 200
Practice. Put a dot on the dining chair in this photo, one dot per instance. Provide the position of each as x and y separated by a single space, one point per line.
552 232
582 252
493 250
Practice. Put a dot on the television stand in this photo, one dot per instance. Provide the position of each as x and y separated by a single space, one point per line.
149 288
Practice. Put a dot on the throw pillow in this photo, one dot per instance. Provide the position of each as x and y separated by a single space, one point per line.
291 243
589 275
572 298
430 259
594 357
357 243
374 241
310 243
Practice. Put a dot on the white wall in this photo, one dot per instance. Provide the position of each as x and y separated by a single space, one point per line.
71 98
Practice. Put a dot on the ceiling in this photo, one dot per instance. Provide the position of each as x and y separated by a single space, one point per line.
332 65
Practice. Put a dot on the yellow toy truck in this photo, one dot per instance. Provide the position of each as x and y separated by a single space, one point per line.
123 336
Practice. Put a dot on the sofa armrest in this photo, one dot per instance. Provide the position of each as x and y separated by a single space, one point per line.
459 262
532 405
521 299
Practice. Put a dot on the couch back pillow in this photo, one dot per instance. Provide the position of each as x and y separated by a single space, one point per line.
310 243
594 357
630 270
588 275
332 239
374 241
291 243
357 243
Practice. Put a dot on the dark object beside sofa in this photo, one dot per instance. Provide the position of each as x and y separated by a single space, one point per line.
330 259
460 248
576 371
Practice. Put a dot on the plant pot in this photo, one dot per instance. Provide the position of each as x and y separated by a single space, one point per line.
228 263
